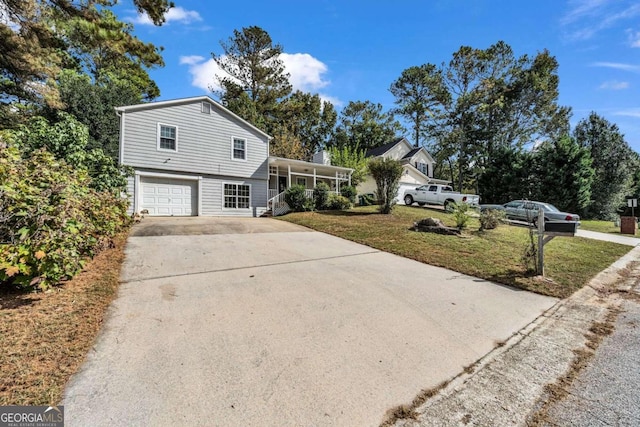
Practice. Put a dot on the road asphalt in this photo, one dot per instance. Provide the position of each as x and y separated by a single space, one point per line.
607 391
257 322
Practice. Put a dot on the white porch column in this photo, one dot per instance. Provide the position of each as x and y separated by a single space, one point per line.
314 177
337 183
349 179
289 176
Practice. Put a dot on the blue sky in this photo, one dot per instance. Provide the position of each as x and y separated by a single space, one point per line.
353 50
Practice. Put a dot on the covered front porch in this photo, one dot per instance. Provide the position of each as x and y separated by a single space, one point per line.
284 173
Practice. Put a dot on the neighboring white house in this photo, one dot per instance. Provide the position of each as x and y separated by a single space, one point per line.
192 156
417 166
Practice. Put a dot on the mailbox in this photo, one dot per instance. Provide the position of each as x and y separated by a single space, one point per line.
568 227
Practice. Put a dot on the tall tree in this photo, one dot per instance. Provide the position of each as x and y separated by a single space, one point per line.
364 125
563 174
310 119
419 91
494 100
254 79
507 176
612 160
35 46
92 103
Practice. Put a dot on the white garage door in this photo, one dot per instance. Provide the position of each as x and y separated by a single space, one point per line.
402 189
169 197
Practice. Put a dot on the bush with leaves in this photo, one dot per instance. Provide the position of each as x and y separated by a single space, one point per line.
491 218
349 192
321 196
337 202
386 173
461 214
67 139
296 198
50 219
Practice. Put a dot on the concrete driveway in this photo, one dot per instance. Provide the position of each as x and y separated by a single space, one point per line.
257 322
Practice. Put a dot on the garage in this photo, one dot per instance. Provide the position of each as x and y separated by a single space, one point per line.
169 196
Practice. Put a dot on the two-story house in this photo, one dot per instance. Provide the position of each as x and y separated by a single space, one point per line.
193 156
417 166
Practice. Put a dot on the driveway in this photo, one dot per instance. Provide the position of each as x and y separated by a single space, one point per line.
257 322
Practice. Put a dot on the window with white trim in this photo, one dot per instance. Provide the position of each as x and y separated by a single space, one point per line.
301 181
237 196
239 148
423 167
167 137
206 108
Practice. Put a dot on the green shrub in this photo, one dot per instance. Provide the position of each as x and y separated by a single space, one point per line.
321 196
490 219
461 214
349 192
50 219
337 202
386 173
296 199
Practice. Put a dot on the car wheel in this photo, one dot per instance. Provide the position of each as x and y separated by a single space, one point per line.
408 200
421 203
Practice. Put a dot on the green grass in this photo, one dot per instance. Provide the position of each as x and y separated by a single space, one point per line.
601 226
494 255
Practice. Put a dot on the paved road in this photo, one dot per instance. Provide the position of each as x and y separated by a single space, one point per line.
607 392
219 326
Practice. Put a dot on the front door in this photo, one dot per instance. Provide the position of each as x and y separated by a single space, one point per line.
282 183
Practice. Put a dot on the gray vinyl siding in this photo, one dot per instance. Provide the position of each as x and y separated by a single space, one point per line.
203 142
211 196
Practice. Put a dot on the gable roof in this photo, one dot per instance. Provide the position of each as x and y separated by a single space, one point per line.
378 151
180 101
411 153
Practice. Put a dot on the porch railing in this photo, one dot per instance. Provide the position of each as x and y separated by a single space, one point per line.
277 204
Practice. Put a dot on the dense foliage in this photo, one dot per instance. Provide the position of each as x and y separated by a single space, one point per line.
386 173
321 196
296 198
50 218
353 158
612 163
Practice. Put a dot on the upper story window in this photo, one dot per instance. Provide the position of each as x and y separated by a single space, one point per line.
239 148
206 108
423 167
167 137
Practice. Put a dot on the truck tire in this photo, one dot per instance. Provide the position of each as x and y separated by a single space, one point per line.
408 200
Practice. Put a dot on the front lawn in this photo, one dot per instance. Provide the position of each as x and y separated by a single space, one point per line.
494 255
601 226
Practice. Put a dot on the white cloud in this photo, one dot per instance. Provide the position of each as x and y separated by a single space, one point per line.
202 72
585 18
175 14
634 38
614 85
631 112
305 70
618 66
306 73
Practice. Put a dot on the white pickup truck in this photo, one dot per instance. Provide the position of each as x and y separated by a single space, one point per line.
434 194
